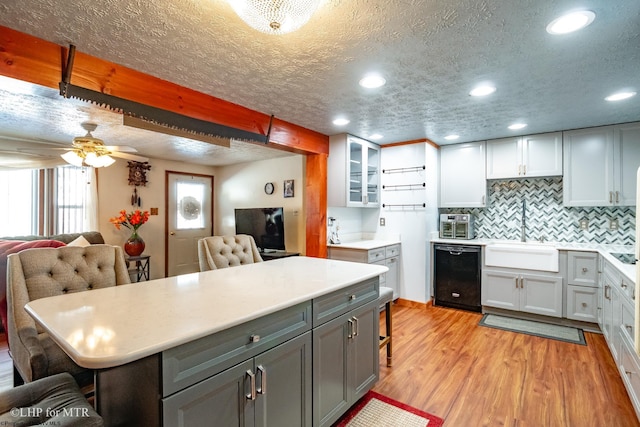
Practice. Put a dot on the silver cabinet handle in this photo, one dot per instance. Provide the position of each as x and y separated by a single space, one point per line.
252 379
355 326
623 285
524 169
263 380
483 199
617 196
585 269
519 169
517 285
610 196
455 253
350 332
607 291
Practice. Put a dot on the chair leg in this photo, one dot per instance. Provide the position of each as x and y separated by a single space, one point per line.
388 323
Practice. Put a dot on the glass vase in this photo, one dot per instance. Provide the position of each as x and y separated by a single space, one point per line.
134 245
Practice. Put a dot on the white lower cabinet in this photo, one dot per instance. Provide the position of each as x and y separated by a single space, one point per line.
509 289
582 286
582 303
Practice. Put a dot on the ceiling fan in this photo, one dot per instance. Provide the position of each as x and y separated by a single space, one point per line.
90 151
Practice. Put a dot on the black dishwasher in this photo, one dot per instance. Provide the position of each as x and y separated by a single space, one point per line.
457 277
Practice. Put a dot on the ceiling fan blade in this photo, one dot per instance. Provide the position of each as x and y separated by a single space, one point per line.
121 148
128 156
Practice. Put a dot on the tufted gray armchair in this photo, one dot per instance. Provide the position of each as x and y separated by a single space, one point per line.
46 272
227 251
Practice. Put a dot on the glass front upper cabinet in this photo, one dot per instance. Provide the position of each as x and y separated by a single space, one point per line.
363 173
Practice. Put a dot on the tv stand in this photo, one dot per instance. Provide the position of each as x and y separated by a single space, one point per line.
270 255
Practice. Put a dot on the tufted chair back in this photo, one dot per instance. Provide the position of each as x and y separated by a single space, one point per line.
227 251
44 272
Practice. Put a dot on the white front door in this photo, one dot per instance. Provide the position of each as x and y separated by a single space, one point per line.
189 213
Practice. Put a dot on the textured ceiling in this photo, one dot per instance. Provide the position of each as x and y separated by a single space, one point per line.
431 53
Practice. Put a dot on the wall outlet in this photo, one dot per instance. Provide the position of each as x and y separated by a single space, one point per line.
383 222
154 211
584 224
613 224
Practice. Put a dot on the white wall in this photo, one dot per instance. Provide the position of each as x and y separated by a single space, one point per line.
242 186
114 194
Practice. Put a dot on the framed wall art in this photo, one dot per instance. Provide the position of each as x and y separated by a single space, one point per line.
288 188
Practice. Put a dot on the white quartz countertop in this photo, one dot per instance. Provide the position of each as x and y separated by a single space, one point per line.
365 245
109 327
628 270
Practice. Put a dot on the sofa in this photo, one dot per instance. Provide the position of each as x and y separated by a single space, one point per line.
15 244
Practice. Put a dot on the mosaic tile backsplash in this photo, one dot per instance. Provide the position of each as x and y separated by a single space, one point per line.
546 216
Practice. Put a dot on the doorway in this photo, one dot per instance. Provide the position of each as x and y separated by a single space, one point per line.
189 218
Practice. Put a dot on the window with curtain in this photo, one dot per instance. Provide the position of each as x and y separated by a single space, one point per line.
48 201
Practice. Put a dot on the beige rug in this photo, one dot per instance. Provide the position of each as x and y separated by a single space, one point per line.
376 410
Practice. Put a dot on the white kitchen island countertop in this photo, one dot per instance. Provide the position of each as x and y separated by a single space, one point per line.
109 327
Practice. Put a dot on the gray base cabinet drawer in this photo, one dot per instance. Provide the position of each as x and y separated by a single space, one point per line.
192 362
582 268
376 255
582 303
332 305
282 395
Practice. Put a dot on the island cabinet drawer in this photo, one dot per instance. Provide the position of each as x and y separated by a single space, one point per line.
376 255
627 323
189 363
332 305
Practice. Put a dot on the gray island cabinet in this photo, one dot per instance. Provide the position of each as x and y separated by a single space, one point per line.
300 362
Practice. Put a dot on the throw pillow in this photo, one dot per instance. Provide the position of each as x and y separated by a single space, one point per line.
80 241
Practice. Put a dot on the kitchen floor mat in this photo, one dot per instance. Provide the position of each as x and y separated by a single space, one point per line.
530 327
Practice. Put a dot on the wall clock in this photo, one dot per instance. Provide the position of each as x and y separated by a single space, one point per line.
268 188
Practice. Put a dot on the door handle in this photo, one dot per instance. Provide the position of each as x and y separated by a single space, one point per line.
350 332
172 233
263 380
355 331
252 380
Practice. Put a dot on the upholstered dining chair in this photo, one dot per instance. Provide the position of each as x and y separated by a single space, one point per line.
216 252
46 272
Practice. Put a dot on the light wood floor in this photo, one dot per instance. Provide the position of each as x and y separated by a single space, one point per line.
470 375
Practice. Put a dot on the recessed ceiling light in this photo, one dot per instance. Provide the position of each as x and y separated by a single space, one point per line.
451 137
620 96
483 90
341 121
372 80
571 22
375 136
517 126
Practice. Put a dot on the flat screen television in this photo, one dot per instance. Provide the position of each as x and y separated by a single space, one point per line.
266 225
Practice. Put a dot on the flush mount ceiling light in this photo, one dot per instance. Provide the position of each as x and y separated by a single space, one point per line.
451 137
375 136
483 90
341 122
275 16
372 81
571 22
620 96
517 126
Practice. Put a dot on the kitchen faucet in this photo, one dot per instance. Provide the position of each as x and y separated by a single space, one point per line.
523 231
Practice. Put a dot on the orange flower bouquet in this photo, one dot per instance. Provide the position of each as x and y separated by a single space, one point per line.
134 246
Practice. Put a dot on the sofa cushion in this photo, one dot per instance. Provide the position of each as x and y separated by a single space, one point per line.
8 247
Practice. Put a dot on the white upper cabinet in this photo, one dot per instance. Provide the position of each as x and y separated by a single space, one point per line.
526 156
353 172
463 175
600 165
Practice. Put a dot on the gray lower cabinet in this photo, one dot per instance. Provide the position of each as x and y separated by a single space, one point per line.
345 362
271 389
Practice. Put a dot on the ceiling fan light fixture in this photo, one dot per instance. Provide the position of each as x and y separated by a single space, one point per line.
72 158
275 16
